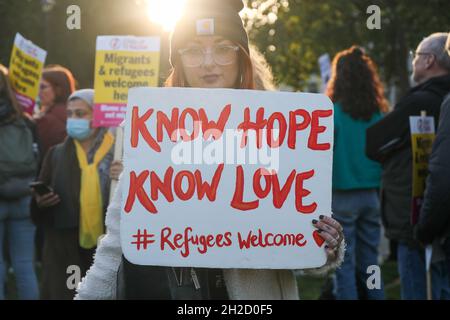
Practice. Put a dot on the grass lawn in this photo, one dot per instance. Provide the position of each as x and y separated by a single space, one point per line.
310 288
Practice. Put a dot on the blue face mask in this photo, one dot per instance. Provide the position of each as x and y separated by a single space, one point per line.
79 129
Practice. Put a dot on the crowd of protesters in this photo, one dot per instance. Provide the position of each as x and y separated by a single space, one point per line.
61 220
389 142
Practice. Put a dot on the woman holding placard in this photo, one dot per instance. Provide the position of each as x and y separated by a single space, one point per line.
209 49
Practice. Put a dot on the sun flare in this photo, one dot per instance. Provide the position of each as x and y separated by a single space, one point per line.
165 12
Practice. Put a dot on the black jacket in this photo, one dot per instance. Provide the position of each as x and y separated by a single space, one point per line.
389 142
435 214
17 186
60 171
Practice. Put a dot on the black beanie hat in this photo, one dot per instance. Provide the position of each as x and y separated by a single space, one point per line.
209 17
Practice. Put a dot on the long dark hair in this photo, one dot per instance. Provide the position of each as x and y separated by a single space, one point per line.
355 84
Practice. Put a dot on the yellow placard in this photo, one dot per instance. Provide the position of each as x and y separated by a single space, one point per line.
117 71
422 138
25 70
121 63
421 148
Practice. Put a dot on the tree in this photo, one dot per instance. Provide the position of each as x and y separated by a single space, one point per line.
305 29
75 49
22 17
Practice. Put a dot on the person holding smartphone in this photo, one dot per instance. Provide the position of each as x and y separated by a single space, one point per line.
72 195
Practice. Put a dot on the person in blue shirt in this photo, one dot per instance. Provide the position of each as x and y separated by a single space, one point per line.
359 102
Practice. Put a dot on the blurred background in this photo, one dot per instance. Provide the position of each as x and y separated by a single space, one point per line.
290 33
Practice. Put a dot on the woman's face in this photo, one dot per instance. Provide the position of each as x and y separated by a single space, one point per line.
210 62
46 93
79 109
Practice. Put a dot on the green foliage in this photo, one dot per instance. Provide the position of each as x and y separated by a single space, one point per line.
303 30
308 28
74 49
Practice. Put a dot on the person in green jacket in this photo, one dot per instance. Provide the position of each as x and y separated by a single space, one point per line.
359 102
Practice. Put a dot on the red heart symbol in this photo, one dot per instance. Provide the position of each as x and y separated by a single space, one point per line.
318 239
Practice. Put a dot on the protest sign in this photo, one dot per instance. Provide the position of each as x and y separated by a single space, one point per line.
325 69
226 178
422 137
122 62
25 70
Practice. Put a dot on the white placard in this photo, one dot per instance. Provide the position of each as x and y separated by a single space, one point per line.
325 68
30 48
236 223
421 125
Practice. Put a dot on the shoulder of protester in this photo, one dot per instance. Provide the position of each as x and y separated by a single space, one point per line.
433 89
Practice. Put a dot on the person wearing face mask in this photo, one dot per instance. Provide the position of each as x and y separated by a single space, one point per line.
56 85
77 171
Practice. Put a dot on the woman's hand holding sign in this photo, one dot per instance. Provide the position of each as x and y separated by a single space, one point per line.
331 231
115 170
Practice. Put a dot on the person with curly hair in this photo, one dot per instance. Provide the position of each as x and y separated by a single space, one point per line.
359 102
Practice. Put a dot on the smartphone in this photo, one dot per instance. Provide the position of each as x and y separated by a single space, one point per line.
40 188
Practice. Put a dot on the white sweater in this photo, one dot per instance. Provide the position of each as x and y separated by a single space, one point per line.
101 279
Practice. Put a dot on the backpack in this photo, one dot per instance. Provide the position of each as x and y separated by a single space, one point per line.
18 160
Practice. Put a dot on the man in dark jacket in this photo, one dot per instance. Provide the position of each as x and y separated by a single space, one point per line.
389 142
434 220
